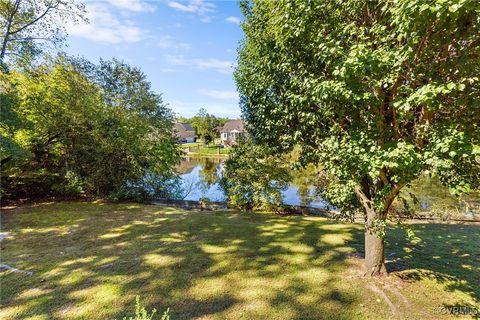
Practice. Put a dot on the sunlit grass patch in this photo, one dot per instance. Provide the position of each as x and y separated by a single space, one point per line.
158 260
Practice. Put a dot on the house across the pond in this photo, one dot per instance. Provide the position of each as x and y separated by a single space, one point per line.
184 132
231 131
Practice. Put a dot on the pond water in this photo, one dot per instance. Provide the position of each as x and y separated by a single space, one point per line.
200 177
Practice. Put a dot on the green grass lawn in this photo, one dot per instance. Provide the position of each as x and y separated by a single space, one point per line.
201 149
90 260
191 144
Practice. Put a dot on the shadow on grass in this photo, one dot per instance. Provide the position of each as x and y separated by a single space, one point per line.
446 253
90 261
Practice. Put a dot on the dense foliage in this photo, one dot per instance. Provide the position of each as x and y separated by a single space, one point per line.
253 178
377 92
71 130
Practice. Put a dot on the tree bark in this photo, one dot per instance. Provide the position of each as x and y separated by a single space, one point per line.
374 254
4 42
374 243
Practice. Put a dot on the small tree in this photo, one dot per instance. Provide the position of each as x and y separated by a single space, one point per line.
205 126
376 92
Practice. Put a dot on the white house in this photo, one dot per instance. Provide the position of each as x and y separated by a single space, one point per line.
231 131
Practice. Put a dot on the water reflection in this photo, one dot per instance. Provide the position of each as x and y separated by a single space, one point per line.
436 200
200 177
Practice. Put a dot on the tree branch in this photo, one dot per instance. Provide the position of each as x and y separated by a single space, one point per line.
49 7
389 199
30 38
7 31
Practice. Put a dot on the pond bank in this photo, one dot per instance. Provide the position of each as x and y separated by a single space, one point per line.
289 210
220 205
205 151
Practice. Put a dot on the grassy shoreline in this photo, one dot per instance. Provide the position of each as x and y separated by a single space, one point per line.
203 150
89 260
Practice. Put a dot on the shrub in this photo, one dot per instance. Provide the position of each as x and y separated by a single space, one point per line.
150 187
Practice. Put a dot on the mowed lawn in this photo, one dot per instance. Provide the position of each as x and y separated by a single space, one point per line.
196 148
90 260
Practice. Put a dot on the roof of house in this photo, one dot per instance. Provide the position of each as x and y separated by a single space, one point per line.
184 126
233 125
184 130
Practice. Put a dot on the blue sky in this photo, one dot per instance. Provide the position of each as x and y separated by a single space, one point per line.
187 49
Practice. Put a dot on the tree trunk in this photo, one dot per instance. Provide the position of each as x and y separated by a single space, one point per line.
374 254
7 31
374 247
374 242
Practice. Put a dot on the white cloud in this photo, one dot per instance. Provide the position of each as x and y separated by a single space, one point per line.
234 20
222 66
199 7
206 19
132 5
219 94
105 27
168 42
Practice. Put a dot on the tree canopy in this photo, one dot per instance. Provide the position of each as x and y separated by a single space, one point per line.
71 130
376 92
